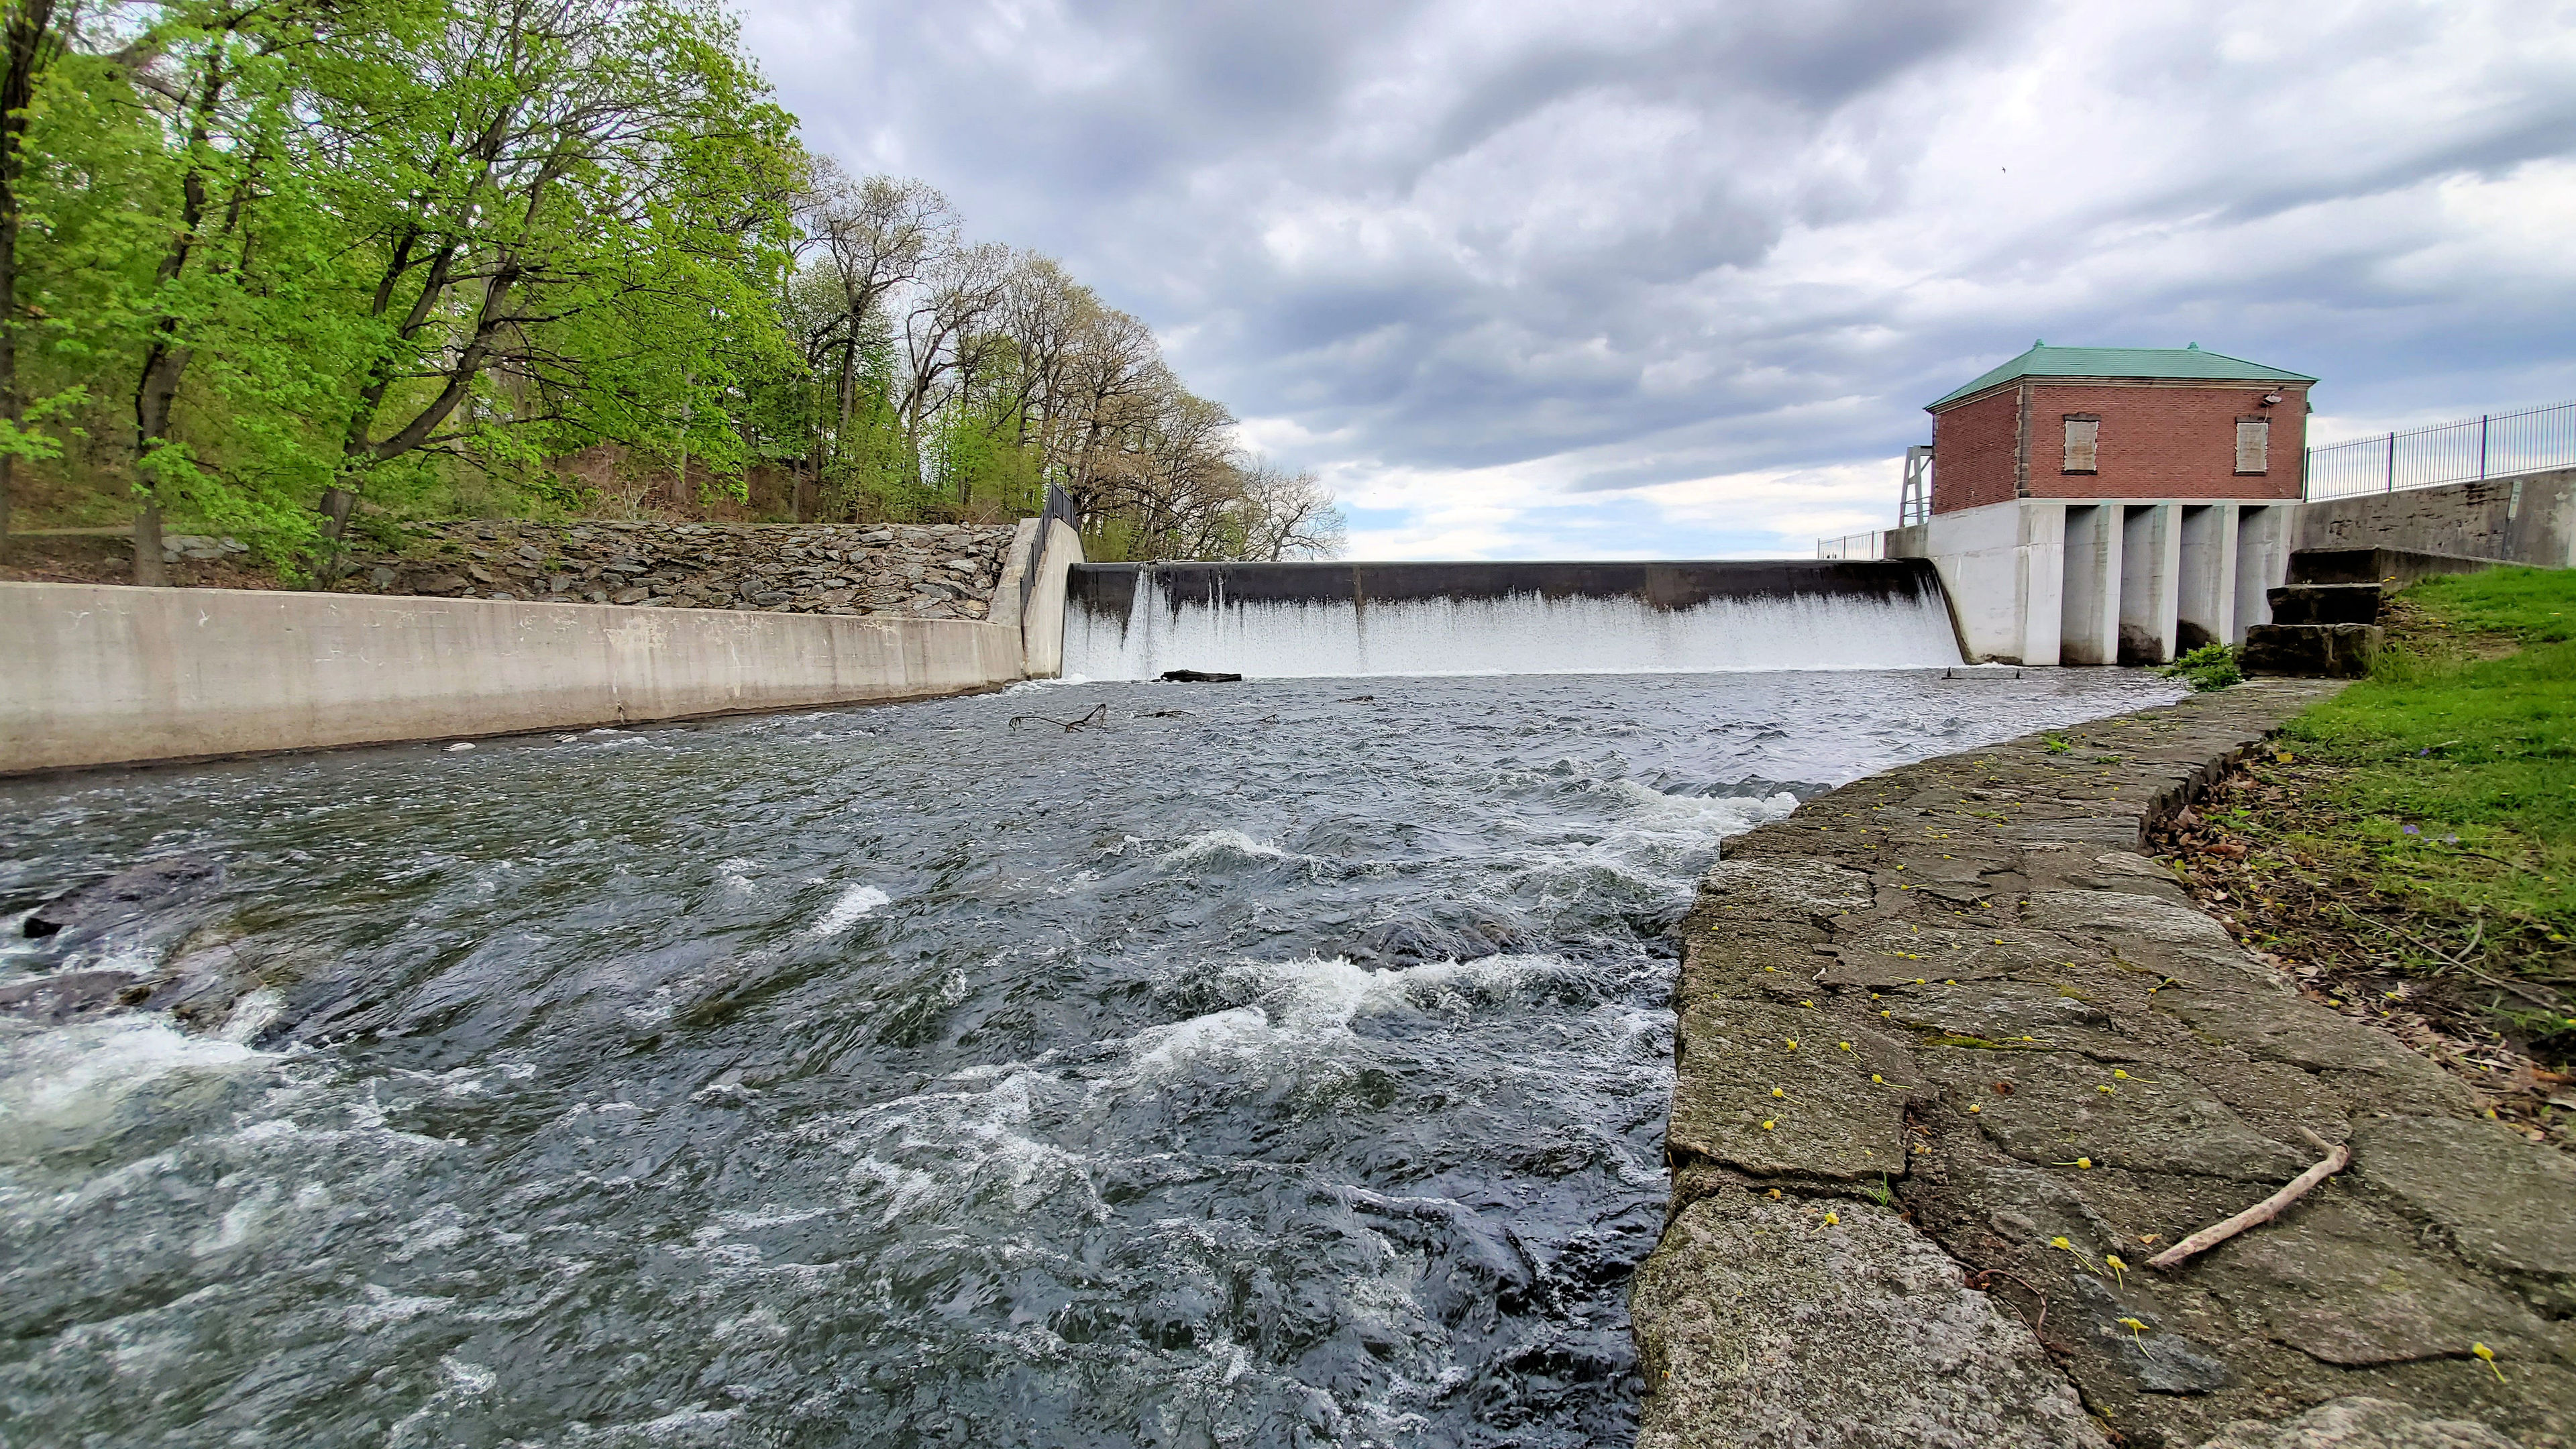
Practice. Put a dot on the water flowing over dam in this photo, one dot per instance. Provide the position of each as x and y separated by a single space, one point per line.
1134 621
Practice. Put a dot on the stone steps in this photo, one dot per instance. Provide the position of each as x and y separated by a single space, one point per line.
2325 620
2326 603
2377 565
2311 651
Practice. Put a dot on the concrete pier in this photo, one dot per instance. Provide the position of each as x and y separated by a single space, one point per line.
2102 581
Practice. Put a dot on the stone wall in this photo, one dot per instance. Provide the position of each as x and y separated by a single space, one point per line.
920 571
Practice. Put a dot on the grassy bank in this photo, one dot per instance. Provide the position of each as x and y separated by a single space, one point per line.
2409 850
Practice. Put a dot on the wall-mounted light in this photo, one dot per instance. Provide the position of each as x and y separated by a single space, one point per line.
2270 398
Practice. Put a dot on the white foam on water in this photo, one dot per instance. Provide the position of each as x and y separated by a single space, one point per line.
853 906
1520 634
1224 845
1304 1010
75 1074
923 1155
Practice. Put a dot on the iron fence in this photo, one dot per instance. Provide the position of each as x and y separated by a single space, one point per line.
1854 545
2494 446
1059 509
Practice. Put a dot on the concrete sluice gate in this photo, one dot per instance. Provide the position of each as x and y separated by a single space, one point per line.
2104 581
1322 620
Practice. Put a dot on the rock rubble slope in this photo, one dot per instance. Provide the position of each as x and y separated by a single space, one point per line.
923 571
1948 1046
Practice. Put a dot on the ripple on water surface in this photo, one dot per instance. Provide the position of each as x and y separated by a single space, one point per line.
1289 1068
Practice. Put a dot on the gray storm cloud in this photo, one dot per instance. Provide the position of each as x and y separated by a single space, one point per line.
1497 260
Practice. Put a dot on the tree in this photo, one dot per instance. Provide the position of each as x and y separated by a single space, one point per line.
582 198
30 42
873 237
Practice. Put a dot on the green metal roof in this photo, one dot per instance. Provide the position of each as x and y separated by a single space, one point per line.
2180 362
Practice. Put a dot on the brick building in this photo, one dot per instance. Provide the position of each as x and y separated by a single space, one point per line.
2101 505
2120 422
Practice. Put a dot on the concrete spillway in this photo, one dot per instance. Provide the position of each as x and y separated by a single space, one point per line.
1133 621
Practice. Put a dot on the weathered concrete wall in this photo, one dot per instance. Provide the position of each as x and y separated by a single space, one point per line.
2528 519
1017 561
1042 631
2045 581
100 674
2001 566
1954 1059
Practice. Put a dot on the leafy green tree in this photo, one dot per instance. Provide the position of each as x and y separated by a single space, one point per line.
570 225
32 39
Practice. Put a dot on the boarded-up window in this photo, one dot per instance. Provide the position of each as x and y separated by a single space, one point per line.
2253 445
2083 442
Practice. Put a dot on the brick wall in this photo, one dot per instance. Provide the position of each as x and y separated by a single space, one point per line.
1972 454
2156 441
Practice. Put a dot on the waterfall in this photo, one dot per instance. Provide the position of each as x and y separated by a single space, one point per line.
1284 621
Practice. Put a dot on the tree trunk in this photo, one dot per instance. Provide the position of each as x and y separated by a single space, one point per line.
149 570
680 495
163 366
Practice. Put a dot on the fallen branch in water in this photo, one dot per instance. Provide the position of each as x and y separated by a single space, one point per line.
2337 1156
1097 719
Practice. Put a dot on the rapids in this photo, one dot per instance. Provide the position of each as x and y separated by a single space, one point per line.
1282 1064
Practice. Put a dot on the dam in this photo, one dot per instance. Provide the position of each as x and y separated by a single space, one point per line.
1304 620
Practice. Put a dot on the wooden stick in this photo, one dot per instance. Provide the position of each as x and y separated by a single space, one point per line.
2337 1157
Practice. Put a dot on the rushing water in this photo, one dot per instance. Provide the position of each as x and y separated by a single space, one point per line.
1518 634
1289 1068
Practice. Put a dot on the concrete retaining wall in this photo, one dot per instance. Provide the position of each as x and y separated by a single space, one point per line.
101 674
1042 630
2527 519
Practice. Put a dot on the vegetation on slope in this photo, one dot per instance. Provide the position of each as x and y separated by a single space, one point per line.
533 258
2409 849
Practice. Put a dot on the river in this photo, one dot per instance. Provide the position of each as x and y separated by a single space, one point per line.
1282 1063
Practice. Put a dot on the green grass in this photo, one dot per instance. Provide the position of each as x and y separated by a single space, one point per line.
2457 757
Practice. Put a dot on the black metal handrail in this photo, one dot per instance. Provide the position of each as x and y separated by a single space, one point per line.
2497 445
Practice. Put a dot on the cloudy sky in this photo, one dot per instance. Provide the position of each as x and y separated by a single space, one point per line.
1675 280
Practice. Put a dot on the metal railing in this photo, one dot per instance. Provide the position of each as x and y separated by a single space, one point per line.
2494 446
1059 508
1914 500
1854 545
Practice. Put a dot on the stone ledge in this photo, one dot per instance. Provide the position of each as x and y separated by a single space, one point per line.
2080 1056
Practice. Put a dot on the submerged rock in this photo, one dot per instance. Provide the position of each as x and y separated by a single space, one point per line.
124 896
68 994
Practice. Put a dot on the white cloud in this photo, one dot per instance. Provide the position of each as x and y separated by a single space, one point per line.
1647 278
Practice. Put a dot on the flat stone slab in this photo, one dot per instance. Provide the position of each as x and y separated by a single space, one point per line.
1761 1326
2360 1424
2074 1068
